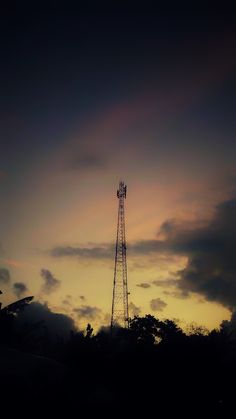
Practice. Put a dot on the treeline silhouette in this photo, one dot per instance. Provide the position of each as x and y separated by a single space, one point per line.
152 367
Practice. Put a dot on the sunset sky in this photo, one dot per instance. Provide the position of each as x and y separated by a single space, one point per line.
90 97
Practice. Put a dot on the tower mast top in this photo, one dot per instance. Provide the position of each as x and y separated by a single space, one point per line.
121 192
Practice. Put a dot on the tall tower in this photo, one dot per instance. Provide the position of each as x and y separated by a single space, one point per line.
120 314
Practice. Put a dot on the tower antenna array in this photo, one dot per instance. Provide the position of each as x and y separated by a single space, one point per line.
120 314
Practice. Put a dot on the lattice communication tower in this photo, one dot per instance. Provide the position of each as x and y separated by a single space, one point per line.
120 313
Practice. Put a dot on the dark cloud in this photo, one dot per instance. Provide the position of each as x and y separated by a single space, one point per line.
51 284
5 277
40 317
157 304
211 267
143 285
82 297
134 310
88 312
19 288
210 248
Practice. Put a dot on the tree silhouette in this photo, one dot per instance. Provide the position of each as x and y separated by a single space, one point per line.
7 316
89 331
149 331
163 365
145 330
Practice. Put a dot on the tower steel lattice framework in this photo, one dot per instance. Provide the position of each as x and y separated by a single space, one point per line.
120 313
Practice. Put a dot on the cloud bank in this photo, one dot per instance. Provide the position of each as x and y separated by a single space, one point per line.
208 246
40 318
211 267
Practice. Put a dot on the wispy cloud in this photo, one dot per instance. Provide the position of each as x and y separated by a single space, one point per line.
19 288
134 310
143 285
86 161
88 312
157 304
51 284
98 252
5 277
165 283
